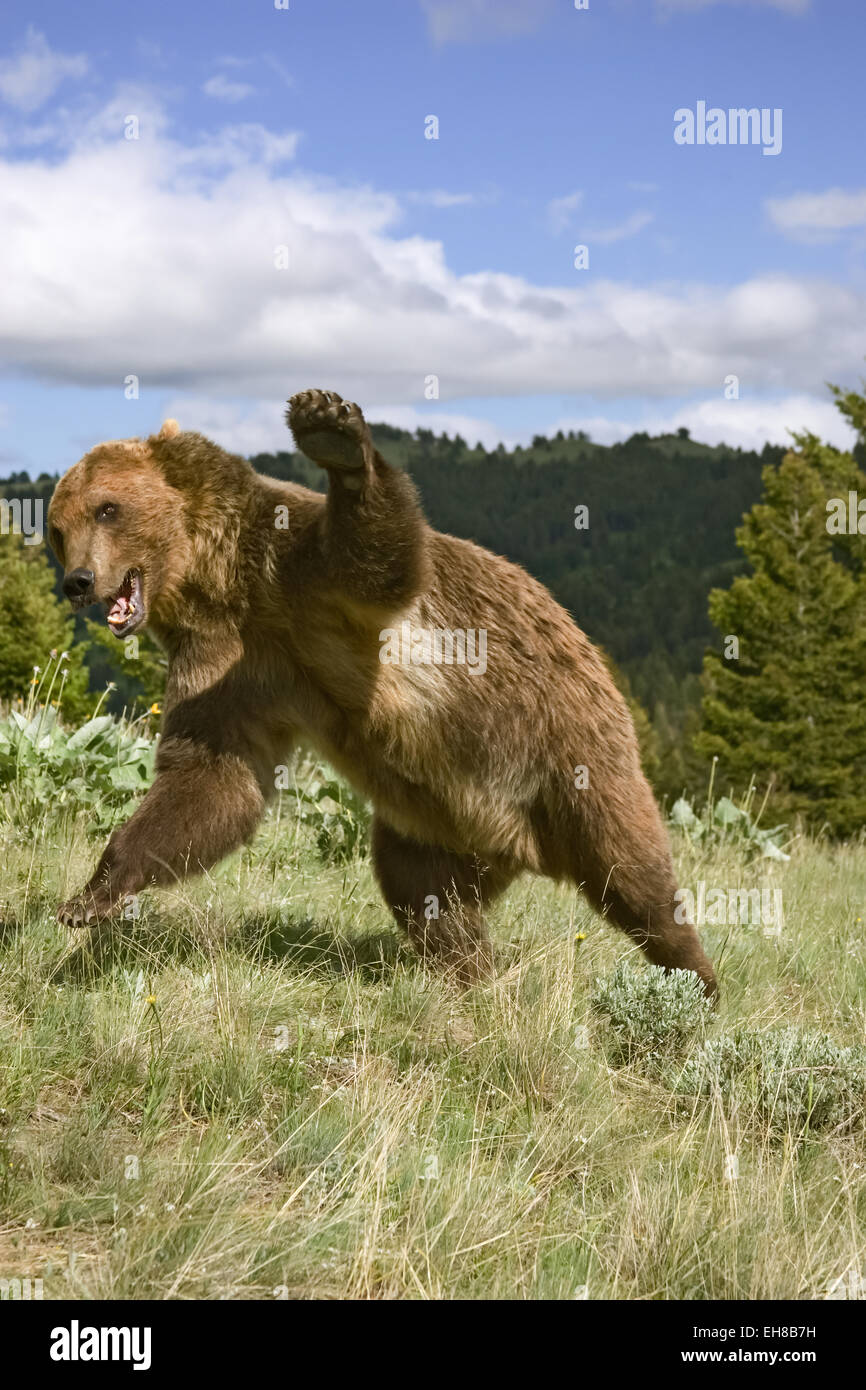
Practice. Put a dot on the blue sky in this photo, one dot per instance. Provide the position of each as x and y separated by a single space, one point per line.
260 129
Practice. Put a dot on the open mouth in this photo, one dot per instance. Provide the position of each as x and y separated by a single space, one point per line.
126 608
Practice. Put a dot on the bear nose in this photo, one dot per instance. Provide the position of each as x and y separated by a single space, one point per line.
77 582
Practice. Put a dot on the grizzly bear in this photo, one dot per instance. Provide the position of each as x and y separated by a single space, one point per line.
440 680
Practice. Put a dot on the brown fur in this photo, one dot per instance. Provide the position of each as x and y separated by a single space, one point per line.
273 637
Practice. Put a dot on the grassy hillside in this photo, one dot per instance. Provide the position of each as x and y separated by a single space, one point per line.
254 1091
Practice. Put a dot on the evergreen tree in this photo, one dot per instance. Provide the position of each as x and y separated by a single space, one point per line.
136 665
785 705
34 623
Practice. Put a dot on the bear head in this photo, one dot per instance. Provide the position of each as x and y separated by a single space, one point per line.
117 525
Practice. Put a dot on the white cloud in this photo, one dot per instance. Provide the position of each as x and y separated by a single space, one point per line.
630 227
463 20
559 211
819 216
225 90
84 131
153 52
450 20
560 215
258 427
749 424
786 6
241 146
166 269
29 78
640 186
280 69
242 427
254 427
439 198
473 428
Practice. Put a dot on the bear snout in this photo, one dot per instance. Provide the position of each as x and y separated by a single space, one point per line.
77 585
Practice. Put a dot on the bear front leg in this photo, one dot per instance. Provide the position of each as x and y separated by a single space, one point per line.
201 806
373 537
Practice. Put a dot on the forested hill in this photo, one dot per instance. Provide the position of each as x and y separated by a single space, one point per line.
662 513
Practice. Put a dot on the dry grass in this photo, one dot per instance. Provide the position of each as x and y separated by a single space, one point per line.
254 1091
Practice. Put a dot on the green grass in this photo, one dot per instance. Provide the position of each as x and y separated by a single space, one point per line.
255 1091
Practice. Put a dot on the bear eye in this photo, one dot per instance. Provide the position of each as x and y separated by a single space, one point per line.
107 511
56 539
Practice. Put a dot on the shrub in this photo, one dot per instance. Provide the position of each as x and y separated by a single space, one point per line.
792 1080
650 1015
726 823
338 816
104 766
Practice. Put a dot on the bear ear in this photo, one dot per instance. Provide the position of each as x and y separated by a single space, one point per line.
169 429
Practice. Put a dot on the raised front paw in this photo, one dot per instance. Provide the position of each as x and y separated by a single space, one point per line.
330 431
87 909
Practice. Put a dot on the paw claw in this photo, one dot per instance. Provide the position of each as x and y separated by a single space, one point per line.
83 911
330 431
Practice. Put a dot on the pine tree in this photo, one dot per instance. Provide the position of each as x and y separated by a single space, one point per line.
783 702
33 626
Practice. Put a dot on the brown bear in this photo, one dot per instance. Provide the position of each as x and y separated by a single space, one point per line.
442 681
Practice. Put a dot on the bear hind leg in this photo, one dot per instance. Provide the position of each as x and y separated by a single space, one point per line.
438 896
649 919
629 878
